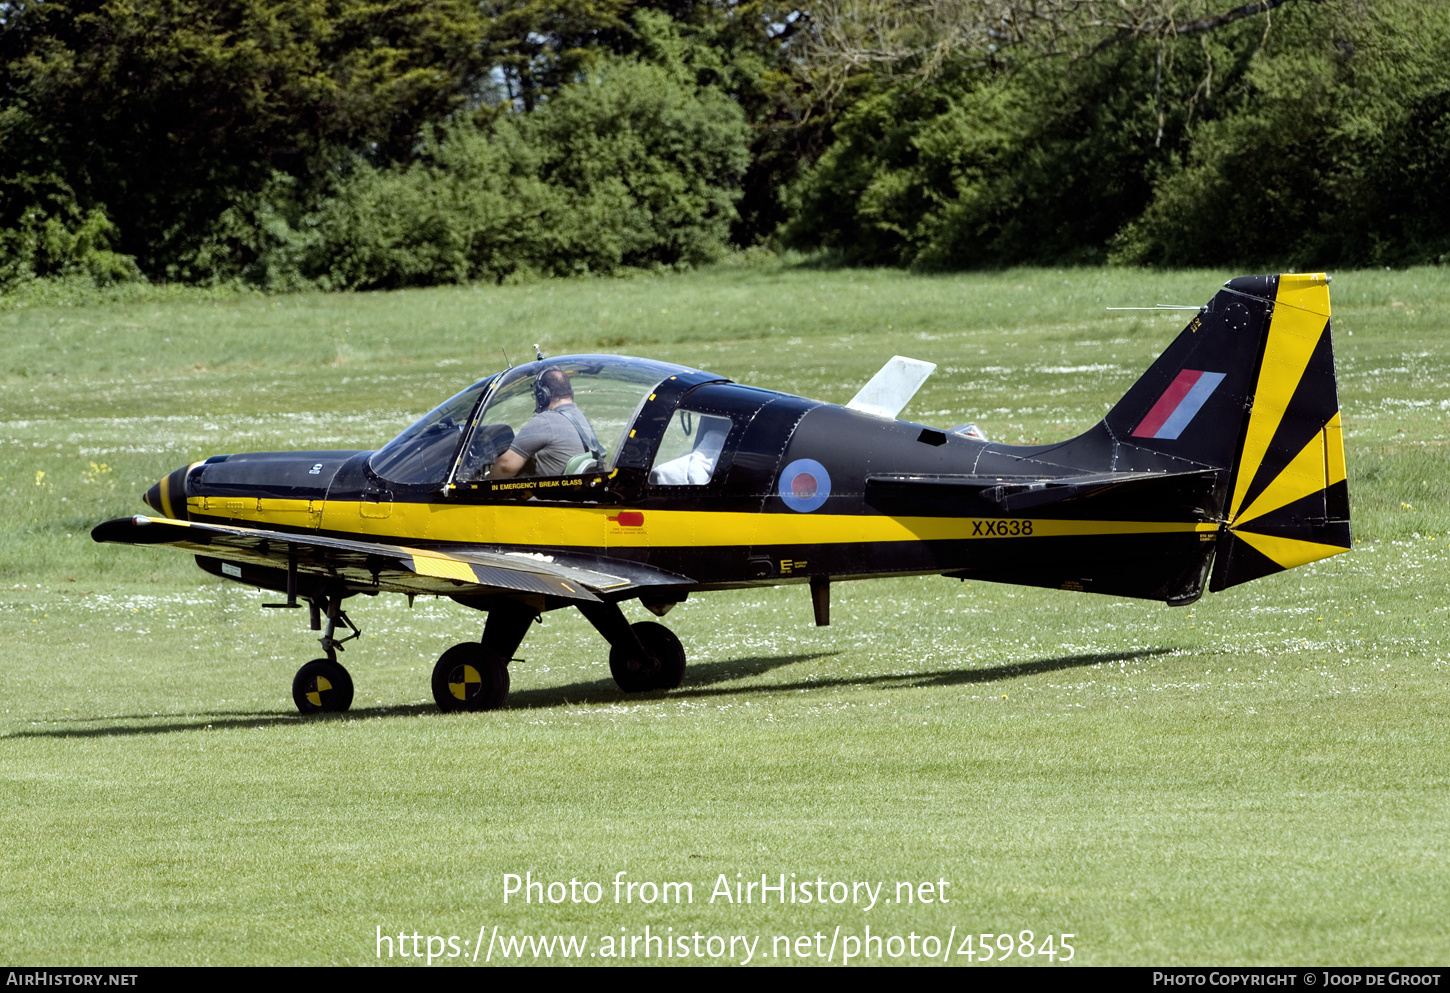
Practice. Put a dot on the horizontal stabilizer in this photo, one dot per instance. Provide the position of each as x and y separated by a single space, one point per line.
1014 494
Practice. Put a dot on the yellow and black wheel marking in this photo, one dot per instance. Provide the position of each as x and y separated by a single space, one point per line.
322 686
468 677
464 682
1289 501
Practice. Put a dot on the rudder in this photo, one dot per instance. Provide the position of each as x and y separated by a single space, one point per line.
1289 496
1249 388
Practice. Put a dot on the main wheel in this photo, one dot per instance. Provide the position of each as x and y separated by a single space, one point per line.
322 686
468 678
637 675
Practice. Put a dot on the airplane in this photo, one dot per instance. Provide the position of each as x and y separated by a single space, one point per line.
1224 463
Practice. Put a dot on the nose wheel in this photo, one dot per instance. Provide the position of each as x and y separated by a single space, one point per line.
322 686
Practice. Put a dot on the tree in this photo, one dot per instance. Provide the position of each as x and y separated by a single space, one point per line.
1313 139
634 166
920 37
162 112
537 46
1334 152
744 48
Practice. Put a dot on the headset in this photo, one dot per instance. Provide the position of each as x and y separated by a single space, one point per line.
543 396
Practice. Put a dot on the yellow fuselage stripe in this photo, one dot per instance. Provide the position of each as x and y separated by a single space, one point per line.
590 527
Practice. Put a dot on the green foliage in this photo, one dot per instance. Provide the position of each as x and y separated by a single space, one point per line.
258 240
744 49
740 48
631 168
377 143
1338 153
44 233
469 208
538 46
652 159
168 111
286 145
977 169
1313 139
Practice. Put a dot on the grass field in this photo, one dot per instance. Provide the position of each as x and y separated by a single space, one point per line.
1260 778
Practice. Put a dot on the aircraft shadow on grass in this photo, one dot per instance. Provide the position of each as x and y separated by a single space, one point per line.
704 680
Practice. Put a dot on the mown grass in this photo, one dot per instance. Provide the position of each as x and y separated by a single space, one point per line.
1258 778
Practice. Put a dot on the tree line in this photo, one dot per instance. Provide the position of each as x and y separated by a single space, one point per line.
386 143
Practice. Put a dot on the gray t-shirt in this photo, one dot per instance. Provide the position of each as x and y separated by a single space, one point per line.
551 439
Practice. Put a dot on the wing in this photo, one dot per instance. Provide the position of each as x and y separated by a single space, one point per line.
369 566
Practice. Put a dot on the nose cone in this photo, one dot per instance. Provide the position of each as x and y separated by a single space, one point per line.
168 497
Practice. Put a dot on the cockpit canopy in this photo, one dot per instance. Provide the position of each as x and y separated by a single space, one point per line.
460 439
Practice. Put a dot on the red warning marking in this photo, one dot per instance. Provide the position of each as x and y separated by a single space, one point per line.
629 518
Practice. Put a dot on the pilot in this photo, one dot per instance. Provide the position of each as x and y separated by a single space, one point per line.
557 432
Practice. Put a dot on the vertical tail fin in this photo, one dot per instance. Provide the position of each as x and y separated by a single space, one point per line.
1249 386
1289 499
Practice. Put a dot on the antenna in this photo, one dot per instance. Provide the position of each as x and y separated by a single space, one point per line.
538 353
506 356
1162 306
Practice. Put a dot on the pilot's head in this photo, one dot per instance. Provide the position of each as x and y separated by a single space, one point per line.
551 384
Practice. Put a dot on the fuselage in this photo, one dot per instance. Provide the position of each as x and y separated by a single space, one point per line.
798 489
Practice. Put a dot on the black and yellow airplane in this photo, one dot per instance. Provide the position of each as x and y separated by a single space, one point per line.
1223 463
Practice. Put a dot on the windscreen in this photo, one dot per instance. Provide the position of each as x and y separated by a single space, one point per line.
424 452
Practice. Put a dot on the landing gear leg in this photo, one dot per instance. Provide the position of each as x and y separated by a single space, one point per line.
474 675
643 656
323 685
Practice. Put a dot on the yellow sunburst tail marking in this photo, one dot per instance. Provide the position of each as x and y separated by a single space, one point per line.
1319 465
1288 552
1333 435
1301 310
1289 503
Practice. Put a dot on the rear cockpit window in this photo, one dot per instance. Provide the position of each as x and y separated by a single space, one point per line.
690 449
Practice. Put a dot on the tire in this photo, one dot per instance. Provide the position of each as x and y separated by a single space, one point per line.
635 675
322 686
468 677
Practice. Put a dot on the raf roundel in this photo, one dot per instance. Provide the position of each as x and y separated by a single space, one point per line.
804 485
